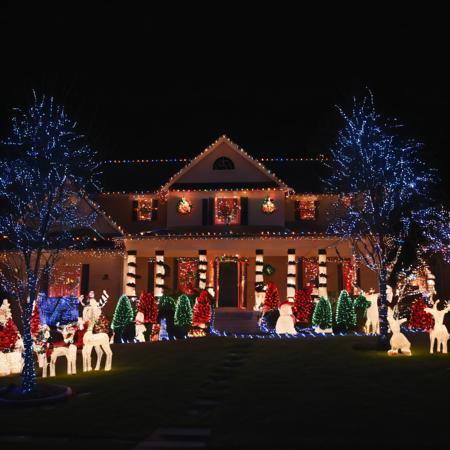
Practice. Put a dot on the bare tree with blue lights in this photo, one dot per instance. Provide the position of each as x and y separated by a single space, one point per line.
384 203
45 175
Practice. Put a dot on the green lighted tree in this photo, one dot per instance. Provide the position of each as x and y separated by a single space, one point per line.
183 313
123 316
345 312
323 316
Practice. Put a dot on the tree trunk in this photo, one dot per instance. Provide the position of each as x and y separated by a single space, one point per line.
383 341
29 371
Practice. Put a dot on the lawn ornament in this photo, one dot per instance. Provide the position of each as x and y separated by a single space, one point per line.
140 327
373 317
398 341
439 332
98 341
286 321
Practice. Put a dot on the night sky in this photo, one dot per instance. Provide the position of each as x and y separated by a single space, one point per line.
161 83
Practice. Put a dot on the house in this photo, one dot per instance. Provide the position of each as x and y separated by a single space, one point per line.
224 221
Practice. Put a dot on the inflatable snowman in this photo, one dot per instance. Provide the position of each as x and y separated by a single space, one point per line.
286 321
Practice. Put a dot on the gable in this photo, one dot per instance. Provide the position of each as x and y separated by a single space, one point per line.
213 167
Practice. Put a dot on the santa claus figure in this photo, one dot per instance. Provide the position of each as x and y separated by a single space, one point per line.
286 321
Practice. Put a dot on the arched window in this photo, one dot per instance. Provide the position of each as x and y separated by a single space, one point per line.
223 163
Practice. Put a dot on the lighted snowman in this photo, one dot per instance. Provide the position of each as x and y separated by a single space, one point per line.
286 321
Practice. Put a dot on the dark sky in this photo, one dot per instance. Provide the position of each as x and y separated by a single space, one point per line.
156 83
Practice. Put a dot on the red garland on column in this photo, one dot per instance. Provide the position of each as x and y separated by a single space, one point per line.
202 310
272 298
304 304
148 307
35 320
8 336
419 319
348 273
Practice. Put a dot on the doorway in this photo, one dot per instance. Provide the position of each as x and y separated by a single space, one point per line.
230 280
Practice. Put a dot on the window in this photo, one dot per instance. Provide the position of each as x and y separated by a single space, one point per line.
227 211
306 209
223 163
144 209
65 280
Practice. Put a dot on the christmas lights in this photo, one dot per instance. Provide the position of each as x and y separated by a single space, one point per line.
390 188
268 205
44 182
184 206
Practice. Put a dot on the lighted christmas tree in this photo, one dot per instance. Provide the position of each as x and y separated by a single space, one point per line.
123 317
202 310
183 313
303 305
148 307
35 320
419 319
8 336
323 316
166 305
345 312
272 298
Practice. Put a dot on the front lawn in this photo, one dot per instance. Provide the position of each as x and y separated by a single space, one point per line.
293 393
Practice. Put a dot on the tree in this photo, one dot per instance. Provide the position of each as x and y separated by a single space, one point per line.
323 315
202 309
8 336
123 316
303 305
45 175
166 305
183 313
345 312
272 298
419 319
389 191
148 307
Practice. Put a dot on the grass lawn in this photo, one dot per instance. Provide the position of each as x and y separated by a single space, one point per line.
302 393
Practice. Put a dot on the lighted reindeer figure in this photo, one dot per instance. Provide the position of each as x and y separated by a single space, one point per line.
398 340
98 341
439 333
65 347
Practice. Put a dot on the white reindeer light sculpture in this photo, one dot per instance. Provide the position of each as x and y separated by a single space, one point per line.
98 341
398 340
439 333
63 348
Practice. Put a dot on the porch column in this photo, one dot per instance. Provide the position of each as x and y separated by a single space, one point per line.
130 287
160 273
202 269
259 278
291 274
323 273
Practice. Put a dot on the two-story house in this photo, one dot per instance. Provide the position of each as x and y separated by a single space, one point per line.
224 221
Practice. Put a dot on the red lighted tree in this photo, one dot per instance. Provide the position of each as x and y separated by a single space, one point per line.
272 298
419 319
202 309
304 304
148 307
8 336
35 320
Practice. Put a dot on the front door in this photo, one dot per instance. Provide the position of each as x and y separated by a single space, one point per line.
230 282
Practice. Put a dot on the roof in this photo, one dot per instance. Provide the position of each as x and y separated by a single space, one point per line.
303 175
